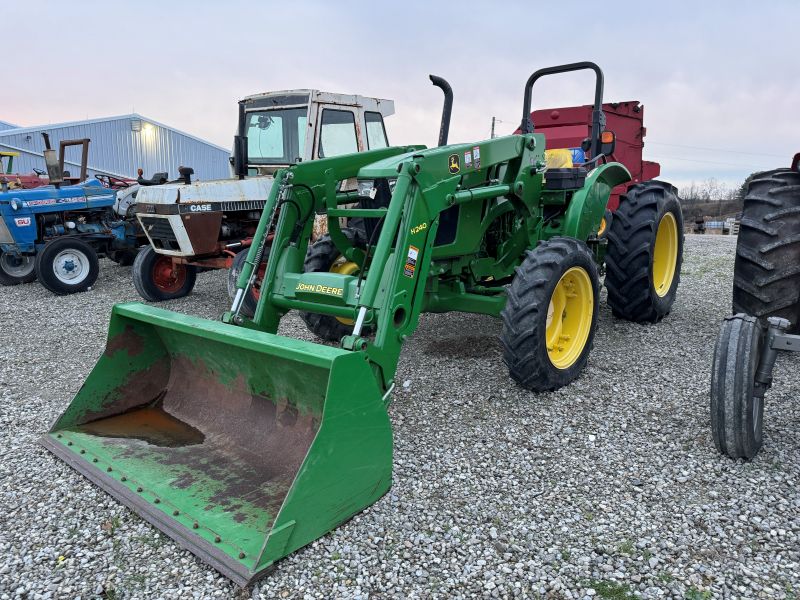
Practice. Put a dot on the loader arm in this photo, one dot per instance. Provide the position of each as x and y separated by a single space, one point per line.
392 293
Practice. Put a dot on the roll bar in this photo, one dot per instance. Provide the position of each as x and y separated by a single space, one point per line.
598 117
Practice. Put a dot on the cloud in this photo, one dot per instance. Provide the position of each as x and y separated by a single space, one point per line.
712 76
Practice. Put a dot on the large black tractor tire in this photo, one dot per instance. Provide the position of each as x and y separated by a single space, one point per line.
550 315
323 255
156 280
17 269
737 413
766 275
250 302
67 265
645 252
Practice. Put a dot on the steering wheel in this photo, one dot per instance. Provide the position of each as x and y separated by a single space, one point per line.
112 182
39 171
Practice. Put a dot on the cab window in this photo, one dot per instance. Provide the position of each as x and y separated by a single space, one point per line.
276 136
376 132
338 133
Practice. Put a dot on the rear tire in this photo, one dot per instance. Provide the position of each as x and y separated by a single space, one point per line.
645 253
550 315
67 265
766 275
736 412
156 280
17 269
323 255
251 299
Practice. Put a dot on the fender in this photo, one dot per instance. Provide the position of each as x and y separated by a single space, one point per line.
588 204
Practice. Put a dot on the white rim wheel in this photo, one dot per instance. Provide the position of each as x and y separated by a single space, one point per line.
71 266
17 266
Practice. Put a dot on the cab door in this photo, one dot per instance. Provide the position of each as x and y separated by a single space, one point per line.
338 131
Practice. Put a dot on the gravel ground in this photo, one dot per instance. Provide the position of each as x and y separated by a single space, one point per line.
610 487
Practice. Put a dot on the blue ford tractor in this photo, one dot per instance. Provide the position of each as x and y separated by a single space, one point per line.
56 233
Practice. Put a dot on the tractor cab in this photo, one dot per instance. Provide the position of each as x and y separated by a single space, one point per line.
288 127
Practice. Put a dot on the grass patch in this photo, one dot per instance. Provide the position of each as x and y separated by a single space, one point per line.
695 594
610 590
625 547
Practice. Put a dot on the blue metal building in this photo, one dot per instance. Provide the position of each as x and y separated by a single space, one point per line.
120 145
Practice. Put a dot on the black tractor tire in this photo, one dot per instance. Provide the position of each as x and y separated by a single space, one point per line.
250 302
67 265
526 314
632 291
766 274
321 256
153 278
737 414
15 270
124 258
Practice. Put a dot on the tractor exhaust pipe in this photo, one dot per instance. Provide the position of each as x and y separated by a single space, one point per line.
447 109
240 145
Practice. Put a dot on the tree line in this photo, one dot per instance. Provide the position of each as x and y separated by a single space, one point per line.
712 198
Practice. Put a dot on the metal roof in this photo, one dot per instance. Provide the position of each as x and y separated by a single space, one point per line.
120 145
6 125
15 129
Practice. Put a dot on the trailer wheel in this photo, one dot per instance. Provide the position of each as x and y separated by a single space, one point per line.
67 265
645 252
736 412
16 269
766 278
156 279
323 255
254 293
550 316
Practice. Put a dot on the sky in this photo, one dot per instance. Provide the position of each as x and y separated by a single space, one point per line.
719 80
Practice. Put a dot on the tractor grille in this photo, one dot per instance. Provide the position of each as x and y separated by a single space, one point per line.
5 234
160 231
159 228
242 205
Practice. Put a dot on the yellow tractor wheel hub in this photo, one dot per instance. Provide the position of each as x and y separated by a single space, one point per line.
344 267
569 317
665 254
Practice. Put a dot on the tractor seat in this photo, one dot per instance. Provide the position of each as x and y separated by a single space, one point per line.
156 179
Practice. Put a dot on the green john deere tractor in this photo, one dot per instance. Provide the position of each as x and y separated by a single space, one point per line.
244 445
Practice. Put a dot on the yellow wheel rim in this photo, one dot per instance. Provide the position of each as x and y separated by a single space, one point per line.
665 254
602 226
569 317
344 267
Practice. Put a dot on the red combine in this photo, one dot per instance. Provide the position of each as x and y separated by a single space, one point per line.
567 127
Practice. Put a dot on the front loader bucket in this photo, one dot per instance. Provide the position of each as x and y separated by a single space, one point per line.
242 446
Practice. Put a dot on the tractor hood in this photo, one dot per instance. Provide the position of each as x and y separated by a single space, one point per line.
386 167
223 191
